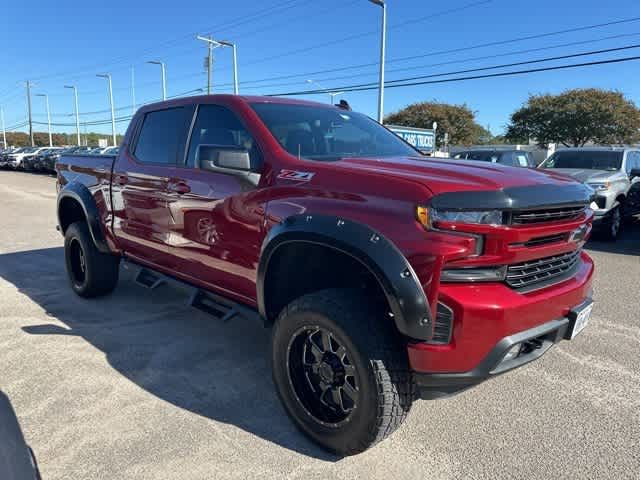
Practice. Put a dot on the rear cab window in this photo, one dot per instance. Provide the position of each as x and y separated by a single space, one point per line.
163 136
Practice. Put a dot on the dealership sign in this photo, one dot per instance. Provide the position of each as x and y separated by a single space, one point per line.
420 138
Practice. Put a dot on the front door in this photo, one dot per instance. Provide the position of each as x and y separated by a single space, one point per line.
215 221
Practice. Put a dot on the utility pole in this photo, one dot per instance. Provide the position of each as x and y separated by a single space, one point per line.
133 91
383 43
164 77
75 94
46 100
211 44
113 114
4 133
29 113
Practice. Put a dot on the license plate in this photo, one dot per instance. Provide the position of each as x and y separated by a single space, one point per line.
580 318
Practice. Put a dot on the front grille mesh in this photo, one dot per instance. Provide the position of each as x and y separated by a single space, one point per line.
442 325
529 274
526 217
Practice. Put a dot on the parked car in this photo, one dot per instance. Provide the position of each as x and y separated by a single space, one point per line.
512 158
614 174
4 157
385 275
33 163
16 160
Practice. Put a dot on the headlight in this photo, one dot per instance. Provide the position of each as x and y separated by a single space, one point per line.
484 217
600 186
428 216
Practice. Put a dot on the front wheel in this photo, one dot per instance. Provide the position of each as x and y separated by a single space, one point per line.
341 370
615 224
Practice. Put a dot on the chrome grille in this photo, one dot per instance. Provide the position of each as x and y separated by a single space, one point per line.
530 274
526 217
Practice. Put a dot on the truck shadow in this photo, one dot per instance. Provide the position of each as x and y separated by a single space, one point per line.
218 370
628 242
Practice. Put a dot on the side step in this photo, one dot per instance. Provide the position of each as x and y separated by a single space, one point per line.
149 279
210 303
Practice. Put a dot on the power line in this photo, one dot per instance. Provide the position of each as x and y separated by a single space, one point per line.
455 50
460 79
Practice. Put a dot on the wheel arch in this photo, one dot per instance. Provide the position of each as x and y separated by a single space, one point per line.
357 245
75 203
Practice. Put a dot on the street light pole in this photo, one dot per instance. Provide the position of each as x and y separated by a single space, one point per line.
46 100
4 133
113 114
220 43
133 90
332 95
164 77
235 64
75 95
383 46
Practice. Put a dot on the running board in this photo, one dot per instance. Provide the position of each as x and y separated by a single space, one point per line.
210 303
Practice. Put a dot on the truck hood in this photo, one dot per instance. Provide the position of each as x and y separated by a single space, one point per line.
586 175
444 175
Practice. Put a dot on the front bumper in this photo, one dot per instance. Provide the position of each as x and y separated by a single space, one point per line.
488 320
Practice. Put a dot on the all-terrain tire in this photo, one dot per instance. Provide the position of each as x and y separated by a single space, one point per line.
373 347
91 272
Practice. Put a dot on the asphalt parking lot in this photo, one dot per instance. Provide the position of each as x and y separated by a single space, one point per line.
137 385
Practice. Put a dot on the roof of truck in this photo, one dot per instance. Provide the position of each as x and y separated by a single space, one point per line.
246 98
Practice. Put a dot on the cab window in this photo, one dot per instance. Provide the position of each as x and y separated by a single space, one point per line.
219 126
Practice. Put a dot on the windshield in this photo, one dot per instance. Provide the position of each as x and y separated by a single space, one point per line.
329 134
585 159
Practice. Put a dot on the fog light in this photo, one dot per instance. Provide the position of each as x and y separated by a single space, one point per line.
512 353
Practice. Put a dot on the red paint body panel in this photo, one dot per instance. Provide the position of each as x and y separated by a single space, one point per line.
211 234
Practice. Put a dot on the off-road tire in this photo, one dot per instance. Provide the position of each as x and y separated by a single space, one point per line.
97 273
374 348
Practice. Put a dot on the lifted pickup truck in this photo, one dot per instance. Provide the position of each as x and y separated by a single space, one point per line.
386 276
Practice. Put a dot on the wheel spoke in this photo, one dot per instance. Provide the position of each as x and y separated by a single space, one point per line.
349 370
336 398
350 392
315 350
326 341
341 352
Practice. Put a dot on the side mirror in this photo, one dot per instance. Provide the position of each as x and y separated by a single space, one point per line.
635 173
217 158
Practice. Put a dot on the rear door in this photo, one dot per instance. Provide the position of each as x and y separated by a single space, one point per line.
215 226
141 184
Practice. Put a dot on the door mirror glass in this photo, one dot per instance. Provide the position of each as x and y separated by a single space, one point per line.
216 157
634 173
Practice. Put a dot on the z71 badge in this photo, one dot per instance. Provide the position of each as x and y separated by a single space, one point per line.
295 175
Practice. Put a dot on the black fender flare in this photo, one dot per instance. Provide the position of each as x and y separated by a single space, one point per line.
83 196
398 280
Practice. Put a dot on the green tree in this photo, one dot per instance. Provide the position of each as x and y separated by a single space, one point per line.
456 120
577 117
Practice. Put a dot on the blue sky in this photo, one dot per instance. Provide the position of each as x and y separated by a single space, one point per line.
58 43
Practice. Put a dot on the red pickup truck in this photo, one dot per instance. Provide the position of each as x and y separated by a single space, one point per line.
385 275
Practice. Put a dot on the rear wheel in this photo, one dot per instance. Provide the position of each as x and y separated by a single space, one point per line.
340 370
91 272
